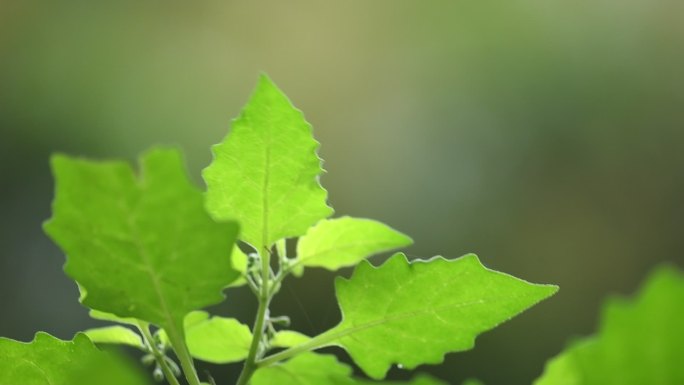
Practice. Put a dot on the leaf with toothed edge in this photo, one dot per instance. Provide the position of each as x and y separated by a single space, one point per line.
140 246
412 313
50 361
265 173
345 241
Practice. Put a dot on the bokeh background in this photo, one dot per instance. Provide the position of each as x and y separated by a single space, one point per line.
545 136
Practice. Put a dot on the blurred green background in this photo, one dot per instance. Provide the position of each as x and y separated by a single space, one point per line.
545 136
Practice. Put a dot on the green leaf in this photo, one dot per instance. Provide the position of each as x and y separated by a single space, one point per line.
305 369
346 241
288 339
141 246
103 316
217 339
420 379
639 341
314 369
413 313
49 361
238 260
265 172
118 335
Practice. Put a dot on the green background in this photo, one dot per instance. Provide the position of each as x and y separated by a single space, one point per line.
547 137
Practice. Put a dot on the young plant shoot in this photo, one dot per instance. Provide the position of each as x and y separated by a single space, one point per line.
149 251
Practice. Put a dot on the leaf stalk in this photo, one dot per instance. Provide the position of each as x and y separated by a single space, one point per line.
158 355
264 297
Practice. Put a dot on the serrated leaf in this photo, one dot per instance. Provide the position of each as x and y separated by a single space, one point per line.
49 361
306 369
288 339
639 341
217 340
117 335
141 246
413 313
346 241
265 172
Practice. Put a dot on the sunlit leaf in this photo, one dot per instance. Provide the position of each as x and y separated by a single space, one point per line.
306 369
103 316
141 246
413 313
265 172
346 241
324 369
117 335
288 339
49 361
217 339
238 260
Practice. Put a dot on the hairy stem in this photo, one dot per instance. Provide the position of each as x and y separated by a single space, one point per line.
158 356
258 330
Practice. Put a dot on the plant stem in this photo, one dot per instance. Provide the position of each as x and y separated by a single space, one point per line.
184 357
258 330
319 341
159 356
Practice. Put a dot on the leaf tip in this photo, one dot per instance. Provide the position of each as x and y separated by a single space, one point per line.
550 290
265 83
264 78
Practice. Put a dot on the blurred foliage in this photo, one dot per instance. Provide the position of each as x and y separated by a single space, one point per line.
639 342
545 136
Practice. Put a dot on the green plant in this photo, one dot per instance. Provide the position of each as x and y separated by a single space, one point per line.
148 251
639 341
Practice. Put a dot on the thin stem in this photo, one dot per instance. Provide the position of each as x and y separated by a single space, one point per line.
184 357
317 342
252 285
158 356
258 330
282 274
